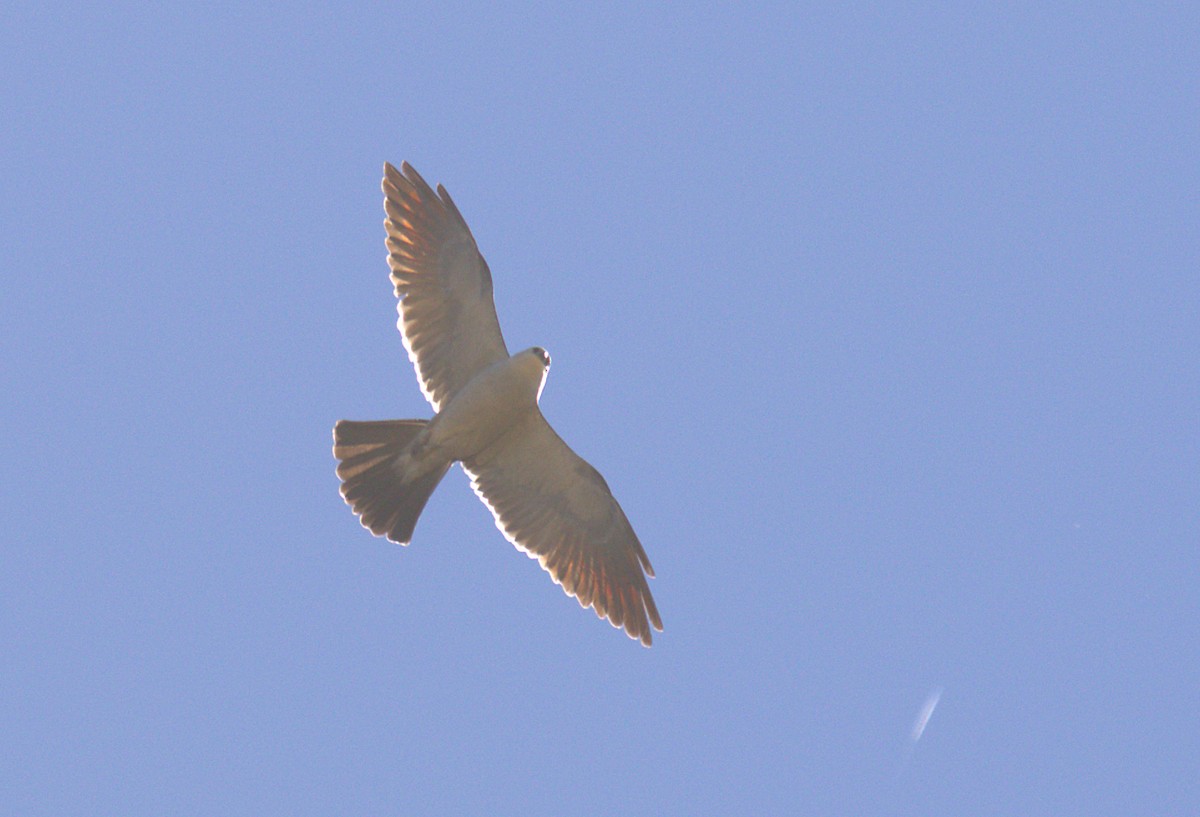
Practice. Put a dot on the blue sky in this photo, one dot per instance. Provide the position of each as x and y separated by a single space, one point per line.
882 323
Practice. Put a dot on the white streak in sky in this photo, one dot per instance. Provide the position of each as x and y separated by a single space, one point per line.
925 714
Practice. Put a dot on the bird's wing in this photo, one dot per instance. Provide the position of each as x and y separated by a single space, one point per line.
554 506
447 315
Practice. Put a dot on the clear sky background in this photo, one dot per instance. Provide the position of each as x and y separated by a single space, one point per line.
882 323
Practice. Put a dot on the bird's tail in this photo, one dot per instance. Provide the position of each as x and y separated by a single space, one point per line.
385 488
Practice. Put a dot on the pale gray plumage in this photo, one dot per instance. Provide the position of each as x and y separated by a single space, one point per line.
547 500
447 316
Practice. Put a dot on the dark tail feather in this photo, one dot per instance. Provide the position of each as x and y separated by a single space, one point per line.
386 500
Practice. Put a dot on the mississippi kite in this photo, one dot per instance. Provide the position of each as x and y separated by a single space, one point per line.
546 499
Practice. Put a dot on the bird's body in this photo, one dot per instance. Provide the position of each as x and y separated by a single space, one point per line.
491 403
546 500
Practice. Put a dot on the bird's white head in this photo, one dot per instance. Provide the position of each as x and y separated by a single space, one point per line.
542 358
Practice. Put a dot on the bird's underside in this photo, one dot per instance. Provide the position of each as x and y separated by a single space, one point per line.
545 498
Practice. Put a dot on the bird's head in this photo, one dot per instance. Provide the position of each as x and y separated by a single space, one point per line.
541 358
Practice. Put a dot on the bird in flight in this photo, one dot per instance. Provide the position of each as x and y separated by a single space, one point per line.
547 500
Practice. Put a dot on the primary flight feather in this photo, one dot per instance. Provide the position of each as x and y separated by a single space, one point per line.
546 499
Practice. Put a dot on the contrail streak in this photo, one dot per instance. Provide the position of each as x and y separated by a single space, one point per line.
925 714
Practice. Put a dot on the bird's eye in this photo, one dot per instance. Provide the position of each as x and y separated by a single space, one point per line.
543 354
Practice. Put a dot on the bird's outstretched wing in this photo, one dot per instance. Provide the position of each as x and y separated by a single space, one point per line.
554 506
447 315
